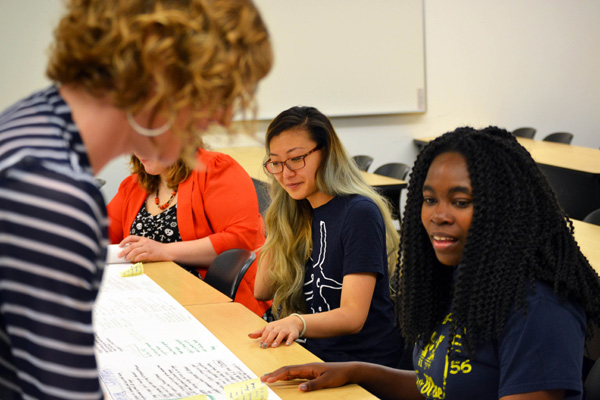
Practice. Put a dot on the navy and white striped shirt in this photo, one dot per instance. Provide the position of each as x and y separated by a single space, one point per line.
53 236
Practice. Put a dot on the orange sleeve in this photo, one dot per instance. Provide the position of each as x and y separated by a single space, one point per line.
123 208
114 210
231 206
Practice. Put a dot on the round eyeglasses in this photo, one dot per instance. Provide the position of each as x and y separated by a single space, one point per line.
294 163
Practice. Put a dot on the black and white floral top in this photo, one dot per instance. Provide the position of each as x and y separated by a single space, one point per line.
161 227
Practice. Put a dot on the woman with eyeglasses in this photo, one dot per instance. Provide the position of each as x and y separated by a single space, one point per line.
330 246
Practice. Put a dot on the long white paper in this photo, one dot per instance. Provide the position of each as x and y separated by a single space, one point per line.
149 347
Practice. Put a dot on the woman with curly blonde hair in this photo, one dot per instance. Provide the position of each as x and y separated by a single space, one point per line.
129 76
330 242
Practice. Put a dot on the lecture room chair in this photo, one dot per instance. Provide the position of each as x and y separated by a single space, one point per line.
262 193
592 383
559 137
227 270
363 162
524 132
393 170
578 193
593 217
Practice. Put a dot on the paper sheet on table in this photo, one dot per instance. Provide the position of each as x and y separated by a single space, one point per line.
149 347
112 255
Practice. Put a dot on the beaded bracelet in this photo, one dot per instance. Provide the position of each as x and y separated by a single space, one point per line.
303 323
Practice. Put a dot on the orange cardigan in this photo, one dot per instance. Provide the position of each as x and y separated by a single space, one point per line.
218 201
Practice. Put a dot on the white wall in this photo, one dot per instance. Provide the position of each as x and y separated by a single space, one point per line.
509 63
25 34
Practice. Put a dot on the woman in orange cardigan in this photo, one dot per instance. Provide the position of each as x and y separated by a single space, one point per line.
189 216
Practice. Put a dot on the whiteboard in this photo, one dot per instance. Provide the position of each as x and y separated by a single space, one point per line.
345 57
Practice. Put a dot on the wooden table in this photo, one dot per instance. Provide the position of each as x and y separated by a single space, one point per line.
588 238
183 286
576 158
251 158
232 322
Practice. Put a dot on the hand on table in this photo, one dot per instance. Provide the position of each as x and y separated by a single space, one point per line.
319 375
285 330
138 248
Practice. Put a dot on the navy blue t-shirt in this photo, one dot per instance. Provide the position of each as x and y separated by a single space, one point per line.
542 350
348 236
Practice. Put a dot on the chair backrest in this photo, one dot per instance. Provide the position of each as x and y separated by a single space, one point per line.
559 137
262 193
593 217
363 162
592 383
393 170
524 132
578 193
228 269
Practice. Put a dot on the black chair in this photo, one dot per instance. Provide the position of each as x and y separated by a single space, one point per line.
593 217
393 170
262 193
227 270
559 137
578 193
363 162
592 383
524 132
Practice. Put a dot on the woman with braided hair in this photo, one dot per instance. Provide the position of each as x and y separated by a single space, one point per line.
492 288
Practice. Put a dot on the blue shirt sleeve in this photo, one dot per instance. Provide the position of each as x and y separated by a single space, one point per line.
364 239
543 349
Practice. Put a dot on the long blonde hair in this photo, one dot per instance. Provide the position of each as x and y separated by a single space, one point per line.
164 55
288 221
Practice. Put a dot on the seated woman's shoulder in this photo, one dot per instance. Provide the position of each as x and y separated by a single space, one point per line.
544 297
360 202
213 159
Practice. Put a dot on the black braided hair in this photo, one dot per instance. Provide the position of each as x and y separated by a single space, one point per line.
518 234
